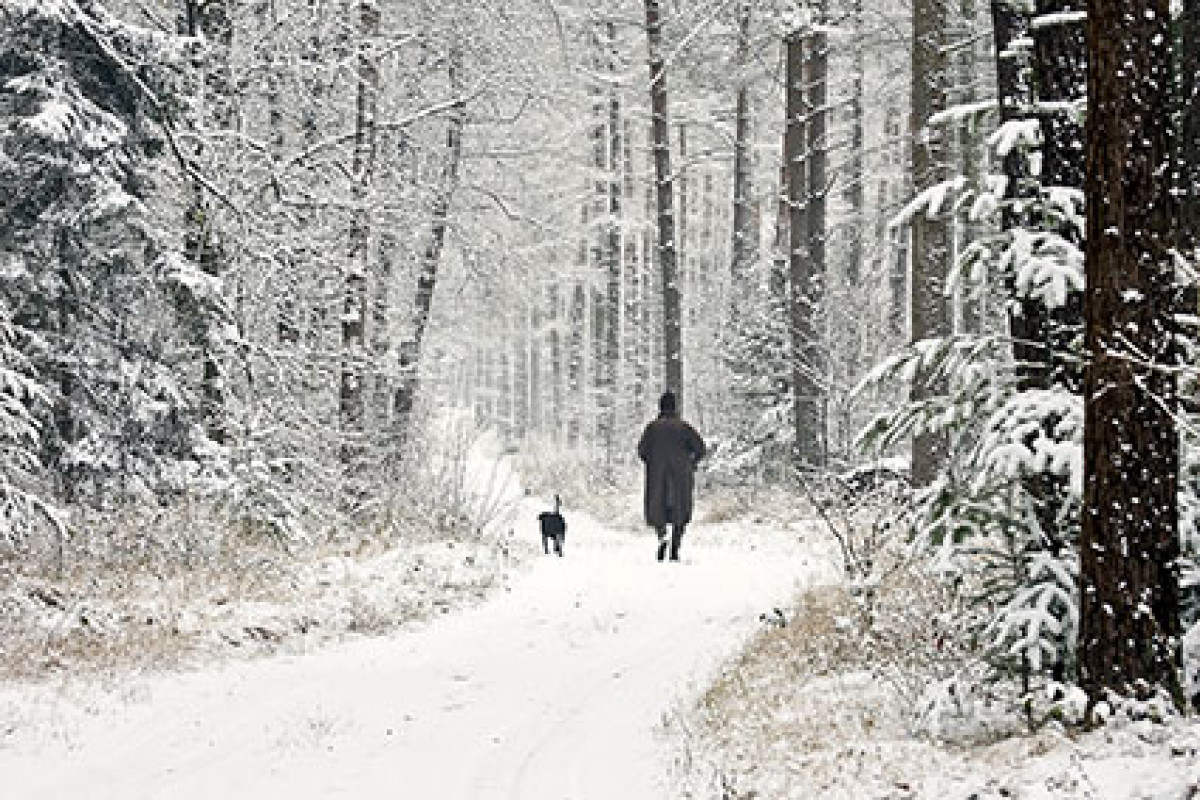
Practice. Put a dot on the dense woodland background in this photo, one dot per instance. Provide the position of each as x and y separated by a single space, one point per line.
263 263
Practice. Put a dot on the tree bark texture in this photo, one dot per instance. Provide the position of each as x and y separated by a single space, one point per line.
804 282
1058 70
931 242
635 336
1187 70
855 191
745 234
672 322
613 259
897 150
352 386
816 68
971 156
1129 625
409 378
202 245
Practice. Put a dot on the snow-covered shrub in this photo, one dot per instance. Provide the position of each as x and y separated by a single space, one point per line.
977 516
612 492
1003 515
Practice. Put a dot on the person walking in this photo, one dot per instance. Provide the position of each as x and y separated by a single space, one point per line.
670 449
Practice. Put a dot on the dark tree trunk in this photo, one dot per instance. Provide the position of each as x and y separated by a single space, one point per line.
409 377
816 68
1059 73
856 190
897 268
1129 608
971 154
804 282
1187 70
636 298
612 260
652 322
1059 70
745 236
576 322
202 246
352 386
1010 25
931 245
672 322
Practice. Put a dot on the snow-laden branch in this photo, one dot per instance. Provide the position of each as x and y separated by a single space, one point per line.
76 15
931 201
1015 133
963 112
393 125
1054 19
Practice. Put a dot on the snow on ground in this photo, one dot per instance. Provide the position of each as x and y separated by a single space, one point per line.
817 710
554 689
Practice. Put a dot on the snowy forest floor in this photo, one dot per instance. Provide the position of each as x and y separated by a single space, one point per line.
838 696
153 593
555 687
496 672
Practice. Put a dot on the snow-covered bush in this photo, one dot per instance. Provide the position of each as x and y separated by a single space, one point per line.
1003 515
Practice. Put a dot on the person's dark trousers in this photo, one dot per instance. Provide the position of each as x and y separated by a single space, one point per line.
676 539
661 530
673 543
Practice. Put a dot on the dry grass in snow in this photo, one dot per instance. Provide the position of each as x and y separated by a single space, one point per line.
833 703
249 599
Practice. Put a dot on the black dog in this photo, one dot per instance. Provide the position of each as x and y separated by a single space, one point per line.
554 529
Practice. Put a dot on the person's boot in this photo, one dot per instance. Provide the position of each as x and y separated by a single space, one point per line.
676 540
662 543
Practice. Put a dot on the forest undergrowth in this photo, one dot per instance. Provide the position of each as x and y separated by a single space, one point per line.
879 686
152 589
253 598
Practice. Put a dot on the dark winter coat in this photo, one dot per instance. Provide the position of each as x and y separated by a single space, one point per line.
670 447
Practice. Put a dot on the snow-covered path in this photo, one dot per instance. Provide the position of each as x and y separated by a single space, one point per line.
552 690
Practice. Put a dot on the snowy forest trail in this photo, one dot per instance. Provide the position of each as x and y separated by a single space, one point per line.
553 689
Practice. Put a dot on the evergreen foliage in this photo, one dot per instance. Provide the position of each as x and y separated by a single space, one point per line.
81 102
1004 437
